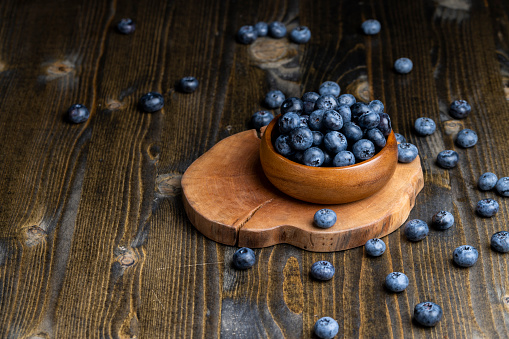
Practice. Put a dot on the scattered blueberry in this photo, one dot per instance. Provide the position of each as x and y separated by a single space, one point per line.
313 156
288 122
261 118
465 256
425 126
78 113
443 220
376 106
326 328
502 186
301 138
459 109
376 137
346 99
277 29
447 159
332 120
396 282
500 241
326 102
274 99
403 65
407 152
282 145
385 124
244 258
151 102
400 138
188 84
427 313
325 218
369 120
363 150
261 28
309 100
466 138
300 35
487 181
126 26
416 230
315 121
247 35
292 104
352 132
335 142
329 88
487 208
371 27
343 158
322 270
375 247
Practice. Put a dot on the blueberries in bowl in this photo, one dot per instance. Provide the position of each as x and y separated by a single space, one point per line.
329 88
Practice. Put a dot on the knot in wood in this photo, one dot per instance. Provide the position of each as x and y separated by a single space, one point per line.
59 69
452 127
34 235
114 105
269 50
126 260
168 185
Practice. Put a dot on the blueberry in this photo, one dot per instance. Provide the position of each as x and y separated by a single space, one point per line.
385 124
151 102
188 84
313 156
427 313
443 220
403 65
301 138
400 138
244 258
465 256
261 28
317 138
396 282
502 186
282 145
326 328
315 121
466 138
247 35
407 152
327 159
447 159
416 230
297 157
376 106
322 270
346 99
369 120
277 29
300 35
332 120
487 181
376 136
343 158
261 118
363 150
274 98
487 208
325 218
78 113
345 112
335 142
304 119
309 100
358 109
371 27
459 109
375 247
425 126
500 241
326 102
292 104
329 88
126 26
352 132
288 122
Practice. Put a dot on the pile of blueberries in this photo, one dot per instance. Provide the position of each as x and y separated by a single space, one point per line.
249 33
326 128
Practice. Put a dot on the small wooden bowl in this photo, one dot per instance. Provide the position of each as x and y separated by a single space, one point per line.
327 185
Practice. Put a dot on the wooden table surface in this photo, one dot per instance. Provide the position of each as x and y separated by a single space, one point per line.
94 240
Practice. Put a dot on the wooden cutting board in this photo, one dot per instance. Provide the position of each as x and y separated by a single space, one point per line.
228 199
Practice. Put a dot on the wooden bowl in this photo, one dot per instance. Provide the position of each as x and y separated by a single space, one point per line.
327 185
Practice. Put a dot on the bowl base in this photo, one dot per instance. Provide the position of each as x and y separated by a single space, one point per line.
229 200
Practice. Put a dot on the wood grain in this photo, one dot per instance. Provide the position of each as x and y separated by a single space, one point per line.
94 239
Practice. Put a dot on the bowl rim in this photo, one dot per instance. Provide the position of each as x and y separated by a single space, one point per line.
267 136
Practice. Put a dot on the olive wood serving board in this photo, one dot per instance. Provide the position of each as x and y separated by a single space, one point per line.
229 200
